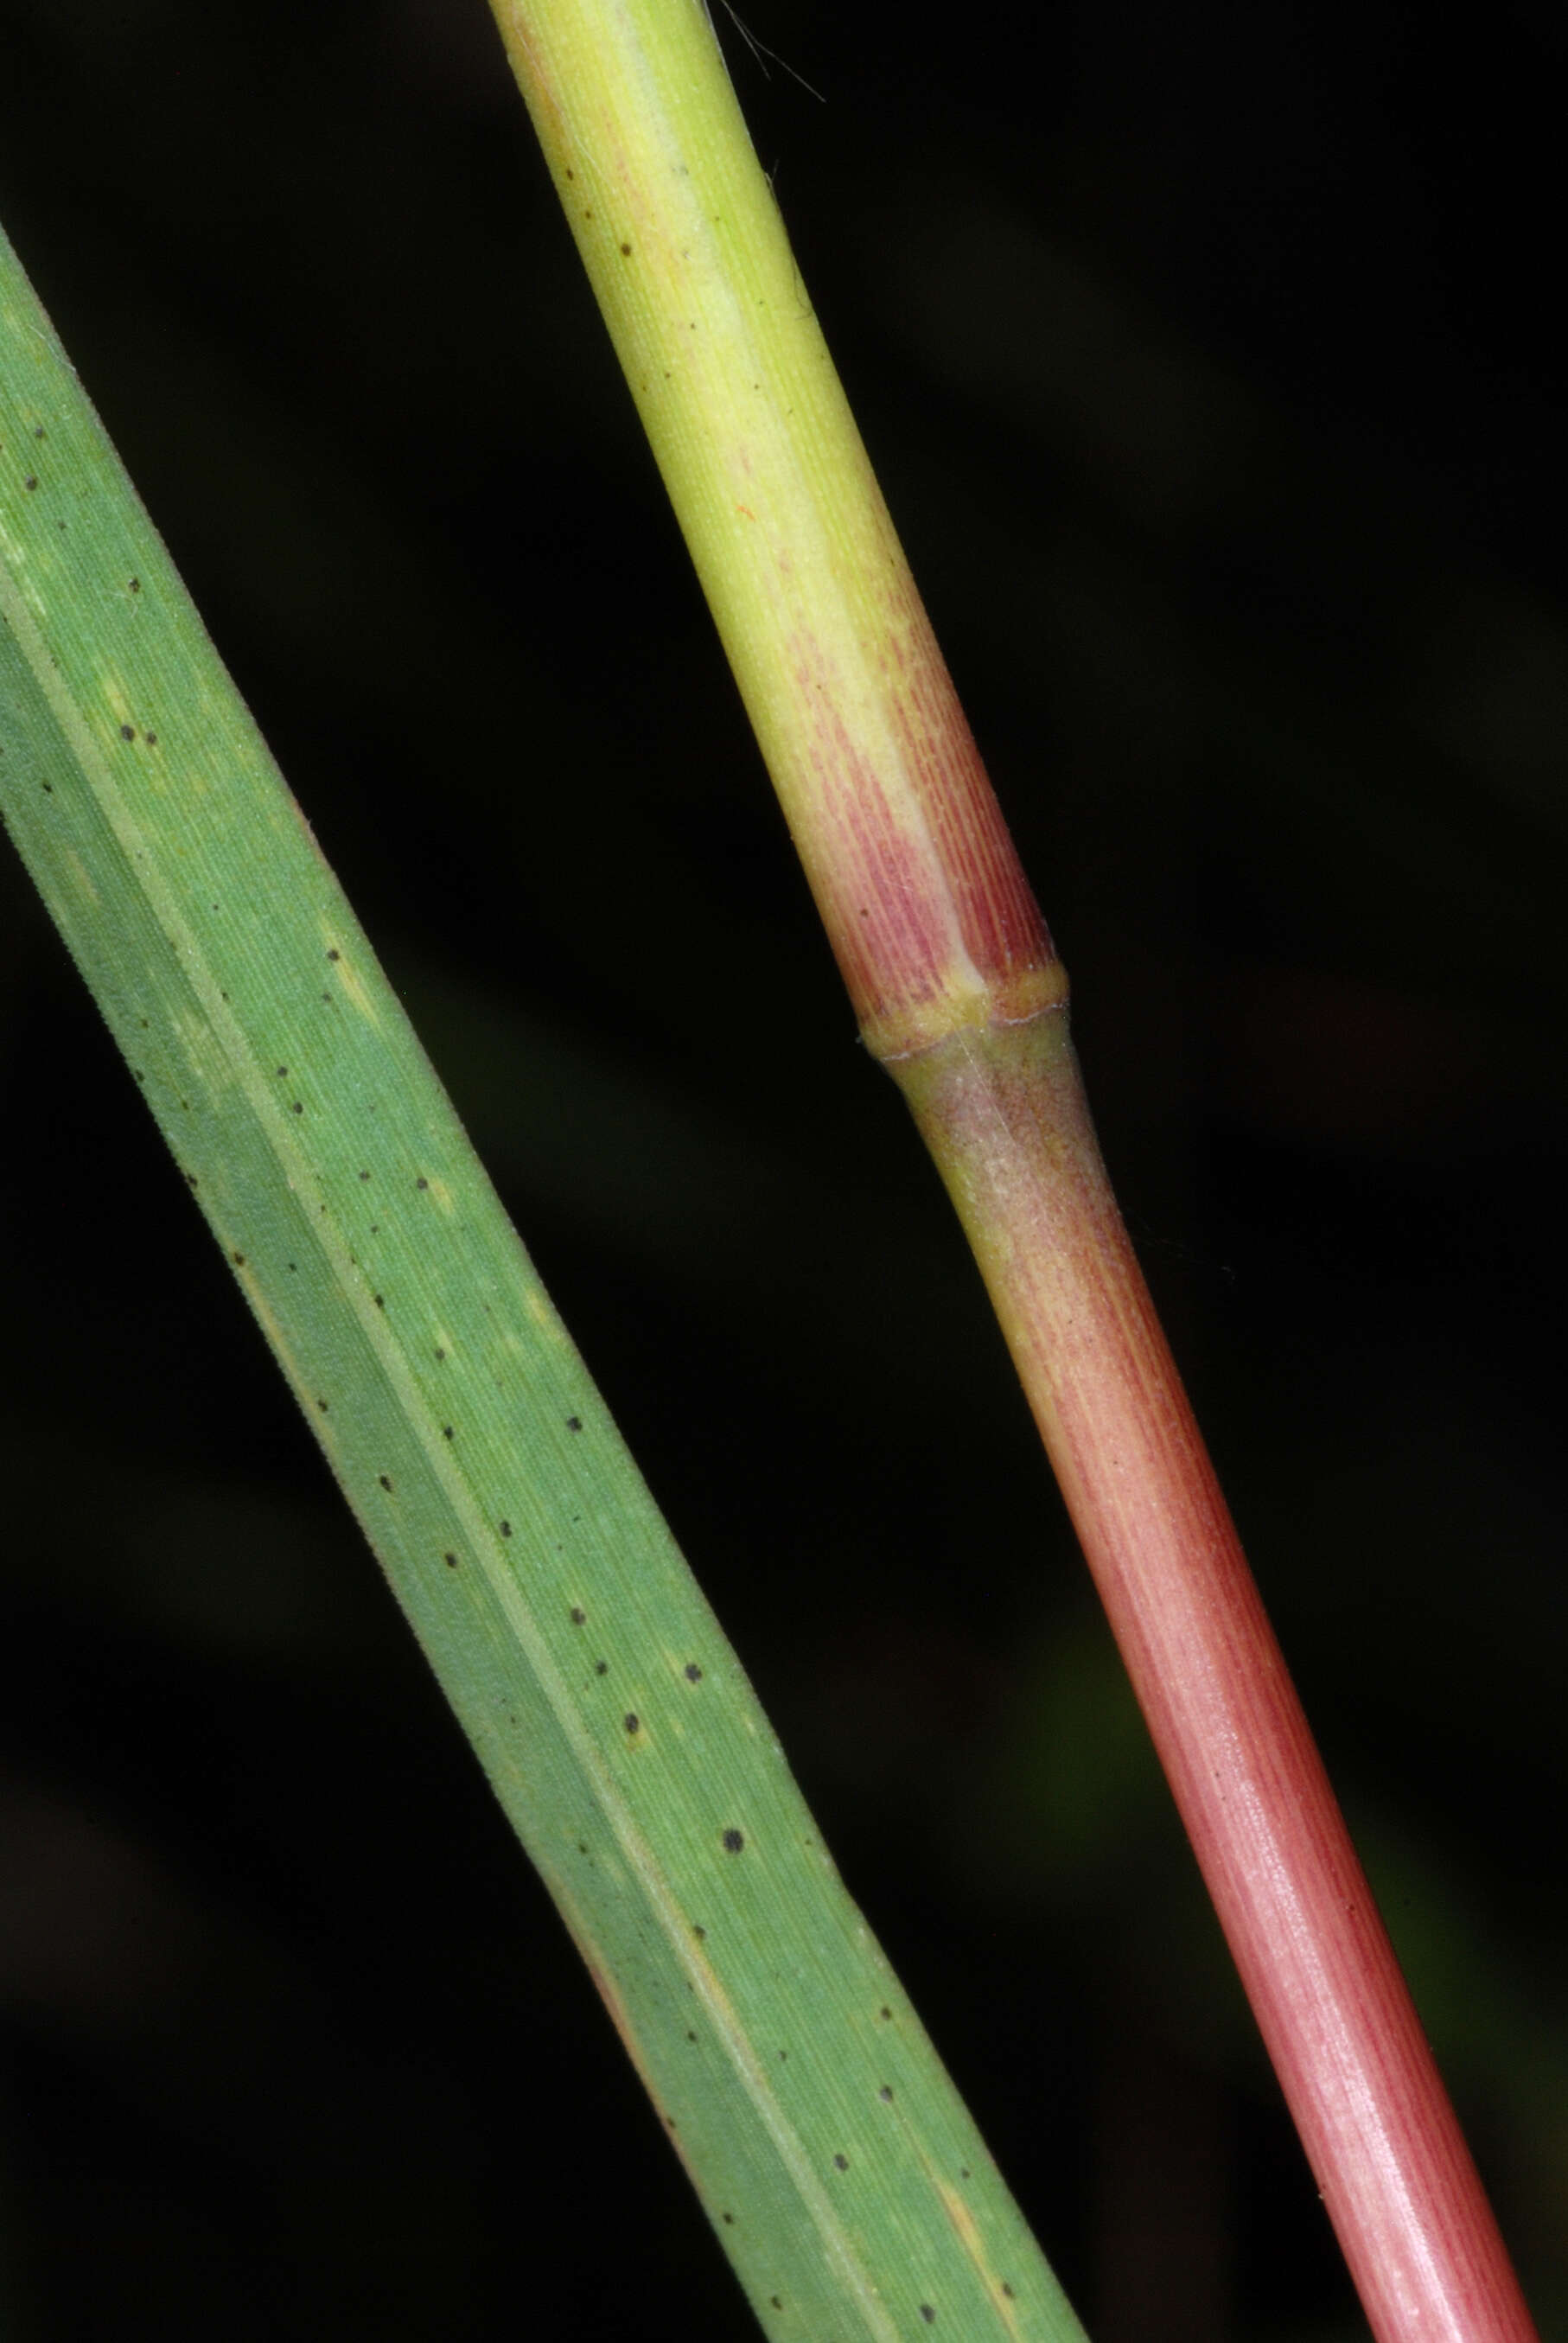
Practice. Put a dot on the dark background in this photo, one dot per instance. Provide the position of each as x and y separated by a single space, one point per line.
1210 358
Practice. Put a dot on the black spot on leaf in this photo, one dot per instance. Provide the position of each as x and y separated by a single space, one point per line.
734 1841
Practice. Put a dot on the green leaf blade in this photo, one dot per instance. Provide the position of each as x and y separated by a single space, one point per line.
839 2167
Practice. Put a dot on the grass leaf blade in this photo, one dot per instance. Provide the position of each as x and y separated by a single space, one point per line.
840 2171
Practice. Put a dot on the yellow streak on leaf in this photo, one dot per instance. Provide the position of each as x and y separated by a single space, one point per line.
84 885
970 2237
353 985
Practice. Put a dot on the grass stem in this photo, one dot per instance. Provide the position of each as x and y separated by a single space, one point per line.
958 990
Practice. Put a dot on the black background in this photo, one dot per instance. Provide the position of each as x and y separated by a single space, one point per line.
1210 361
